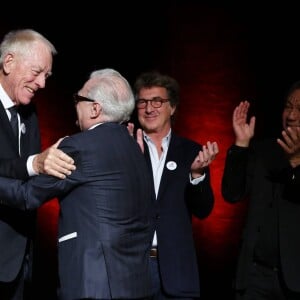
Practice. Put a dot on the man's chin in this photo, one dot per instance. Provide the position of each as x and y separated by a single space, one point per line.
26 101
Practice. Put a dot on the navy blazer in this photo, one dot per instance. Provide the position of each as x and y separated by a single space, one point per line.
263 175
105 221
176 202
16 226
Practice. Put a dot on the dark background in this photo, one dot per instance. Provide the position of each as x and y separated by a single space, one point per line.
220 54
136 37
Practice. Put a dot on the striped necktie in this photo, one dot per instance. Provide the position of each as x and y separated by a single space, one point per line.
14 120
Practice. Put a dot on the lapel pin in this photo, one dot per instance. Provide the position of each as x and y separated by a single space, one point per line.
171 165
23 128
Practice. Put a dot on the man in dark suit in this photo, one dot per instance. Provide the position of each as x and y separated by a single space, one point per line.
266 172
182 187
106 213
25 64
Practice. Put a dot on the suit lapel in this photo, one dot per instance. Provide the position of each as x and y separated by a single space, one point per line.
173 156
24 140
148 161
171 165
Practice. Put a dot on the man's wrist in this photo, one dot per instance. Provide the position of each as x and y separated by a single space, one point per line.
195 181
29 165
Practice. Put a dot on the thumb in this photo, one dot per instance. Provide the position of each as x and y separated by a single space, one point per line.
58 142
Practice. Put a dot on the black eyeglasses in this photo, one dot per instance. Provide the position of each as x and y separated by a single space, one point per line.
77 98
156 102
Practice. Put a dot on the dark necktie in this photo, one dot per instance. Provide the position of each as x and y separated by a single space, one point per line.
14 121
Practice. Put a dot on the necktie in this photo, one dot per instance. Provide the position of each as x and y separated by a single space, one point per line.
14 121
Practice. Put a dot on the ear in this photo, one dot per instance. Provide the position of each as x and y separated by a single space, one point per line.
8 63
173 109
95 110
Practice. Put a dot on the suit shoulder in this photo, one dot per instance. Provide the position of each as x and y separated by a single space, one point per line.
186 142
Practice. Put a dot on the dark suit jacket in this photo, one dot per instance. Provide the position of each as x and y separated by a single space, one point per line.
176 202
16 226
263 174
105 222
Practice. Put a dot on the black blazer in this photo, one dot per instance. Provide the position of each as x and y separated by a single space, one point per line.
16 226
263 175
105 221
176 202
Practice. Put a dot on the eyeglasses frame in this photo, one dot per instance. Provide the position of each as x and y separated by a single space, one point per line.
154 99
78 98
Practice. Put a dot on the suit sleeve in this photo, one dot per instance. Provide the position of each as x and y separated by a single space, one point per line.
200 197
235 174
32 193
14 168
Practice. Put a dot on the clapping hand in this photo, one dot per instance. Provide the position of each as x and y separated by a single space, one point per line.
243 131
290 143
204 159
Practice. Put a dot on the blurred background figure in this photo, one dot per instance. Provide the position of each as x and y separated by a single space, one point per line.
267 173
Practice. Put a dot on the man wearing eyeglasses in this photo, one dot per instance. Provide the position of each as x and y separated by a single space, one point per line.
106 221
180 169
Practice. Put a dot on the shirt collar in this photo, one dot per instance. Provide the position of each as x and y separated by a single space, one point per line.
166 139
92 127
6 101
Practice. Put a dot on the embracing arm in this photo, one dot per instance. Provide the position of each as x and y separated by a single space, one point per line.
32 193
52 161
14 168
24 194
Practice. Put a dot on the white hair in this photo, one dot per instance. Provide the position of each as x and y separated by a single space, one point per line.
114 93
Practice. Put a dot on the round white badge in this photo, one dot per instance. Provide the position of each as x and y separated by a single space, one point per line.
171 165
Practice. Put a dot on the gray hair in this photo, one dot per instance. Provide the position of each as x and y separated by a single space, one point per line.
114 93
20 42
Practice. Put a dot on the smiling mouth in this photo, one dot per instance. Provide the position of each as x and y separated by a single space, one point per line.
30 90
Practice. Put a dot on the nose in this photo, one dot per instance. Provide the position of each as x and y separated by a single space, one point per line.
294 114
149 106
41 80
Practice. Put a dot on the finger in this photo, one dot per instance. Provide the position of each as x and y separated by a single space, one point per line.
205 153
287 139
57 174
215 148
139 139
59 167
58 142
200 157
60 157
293 134
252 123
284 146
130 127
